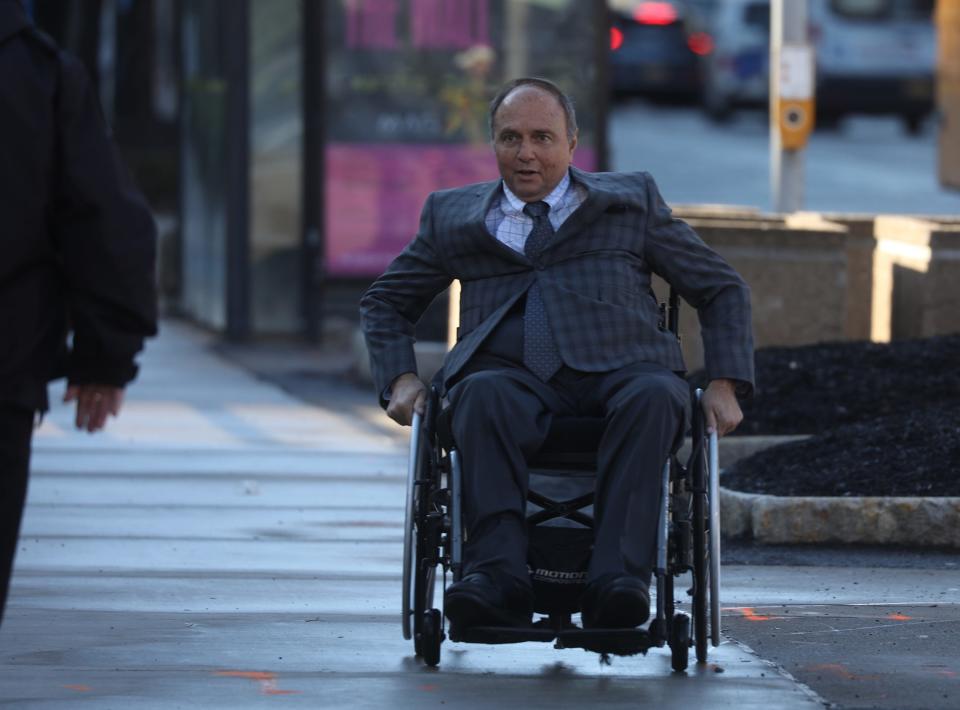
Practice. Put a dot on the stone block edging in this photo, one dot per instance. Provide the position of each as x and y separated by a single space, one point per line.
870 520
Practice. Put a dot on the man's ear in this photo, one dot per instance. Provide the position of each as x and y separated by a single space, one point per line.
573 142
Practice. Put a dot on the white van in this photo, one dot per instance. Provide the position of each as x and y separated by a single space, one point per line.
874 56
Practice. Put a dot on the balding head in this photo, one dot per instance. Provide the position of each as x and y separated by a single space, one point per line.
538 84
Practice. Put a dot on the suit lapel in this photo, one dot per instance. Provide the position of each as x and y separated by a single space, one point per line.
595 203
486 194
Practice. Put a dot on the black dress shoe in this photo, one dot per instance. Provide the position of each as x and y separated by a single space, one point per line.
615 602
478 600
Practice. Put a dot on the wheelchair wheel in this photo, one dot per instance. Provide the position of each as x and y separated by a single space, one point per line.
700 584
424 582
427 533
410 563
706 549
431 637
713 473
680 642
421 534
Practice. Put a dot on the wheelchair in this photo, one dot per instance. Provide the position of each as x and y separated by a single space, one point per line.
559 505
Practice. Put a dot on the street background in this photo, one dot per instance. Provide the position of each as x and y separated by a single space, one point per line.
235 538
868 164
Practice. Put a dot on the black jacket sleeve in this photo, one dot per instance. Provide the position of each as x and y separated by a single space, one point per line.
106 236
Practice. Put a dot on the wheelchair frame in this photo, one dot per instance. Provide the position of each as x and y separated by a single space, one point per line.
688 540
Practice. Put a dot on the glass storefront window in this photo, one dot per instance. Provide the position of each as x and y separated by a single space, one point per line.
407 88
276 146
203 201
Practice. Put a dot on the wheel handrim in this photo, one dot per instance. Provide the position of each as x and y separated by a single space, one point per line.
408 561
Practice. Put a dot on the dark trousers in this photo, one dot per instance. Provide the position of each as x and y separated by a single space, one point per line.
501 416
16 428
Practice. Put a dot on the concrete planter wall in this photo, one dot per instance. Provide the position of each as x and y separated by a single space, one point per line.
798 275
916 290
910 521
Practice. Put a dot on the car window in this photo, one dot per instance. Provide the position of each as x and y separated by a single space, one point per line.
757 14
883 9
860 9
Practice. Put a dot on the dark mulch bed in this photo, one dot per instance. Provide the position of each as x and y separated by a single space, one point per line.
814 388
885 420
916 453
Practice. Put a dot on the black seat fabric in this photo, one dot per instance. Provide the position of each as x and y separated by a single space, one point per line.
568 435
574 435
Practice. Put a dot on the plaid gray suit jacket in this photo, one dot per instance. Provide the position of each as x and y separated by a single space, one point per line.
594 276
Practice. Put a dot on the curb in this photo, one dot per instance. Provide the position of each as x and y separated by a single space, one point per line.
868 520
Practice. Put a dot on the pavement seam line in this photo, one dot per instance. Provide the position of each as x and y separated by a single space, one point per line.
783 672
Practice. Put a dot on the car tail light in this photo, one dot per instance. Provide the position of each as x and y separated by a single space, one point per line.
616 38
655 13
700 43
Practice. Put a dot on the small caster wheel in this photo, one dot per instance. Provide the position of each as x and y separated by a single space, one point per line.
432 637
417 641
680 642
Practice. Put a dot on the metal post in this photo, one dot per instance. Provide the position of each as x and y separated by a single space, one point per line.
314 171
788 25
235 28
516 47
601 94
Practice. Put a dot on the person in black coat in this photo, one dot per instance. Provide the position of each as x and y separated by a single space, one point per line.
77 286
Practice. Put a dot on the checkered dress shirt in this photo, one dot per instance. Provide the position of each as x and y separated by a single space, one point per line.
507 221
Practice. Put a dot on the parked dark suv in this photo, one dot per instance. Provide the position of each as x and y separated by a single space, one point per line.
651 51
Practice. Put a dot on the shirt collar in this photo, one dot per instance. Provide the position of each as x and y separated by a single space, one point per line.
513 205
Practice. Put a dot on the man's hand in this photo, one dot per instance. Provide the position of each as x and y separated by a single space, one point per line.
94 403
720 407
407 395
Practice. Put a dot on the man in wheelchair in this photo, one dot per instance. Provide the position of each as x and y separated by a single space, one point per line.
557 318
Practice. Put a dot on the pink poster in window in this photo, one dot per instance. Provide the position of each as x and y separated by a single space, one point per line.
407 89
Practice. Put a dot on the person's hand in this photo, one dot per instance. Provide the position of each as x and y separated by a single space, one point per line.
407 395
94 403
720 407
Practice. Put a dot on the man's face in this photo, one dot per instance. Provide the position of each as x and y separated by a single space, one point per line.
530 142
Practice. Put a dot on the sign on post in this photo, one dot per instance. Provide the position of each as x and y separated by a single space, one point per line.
795 107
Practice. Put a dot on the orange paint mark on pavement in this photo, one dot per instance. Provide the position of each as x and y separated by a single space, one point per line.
429 688
79 688
899 617
266 681
750 615
252 675
839 670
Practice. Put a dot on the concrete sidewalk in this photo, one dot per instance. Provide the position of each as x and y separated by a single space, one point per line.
224 544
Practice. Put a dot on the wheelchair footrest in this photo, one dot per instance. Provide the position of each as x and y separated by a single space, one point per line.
619 642
503 634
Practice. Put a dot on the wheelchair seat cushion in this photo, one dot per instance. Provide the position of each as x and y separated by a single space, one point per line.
568 435
574 435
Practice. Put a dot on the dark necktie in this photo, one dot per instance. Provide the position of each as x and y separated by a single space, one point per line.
540 354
